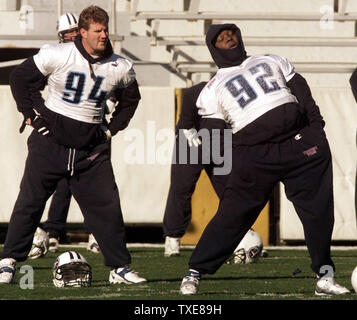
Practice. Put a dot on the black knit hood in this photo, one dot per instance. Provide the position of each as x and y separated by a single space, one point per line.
106 54
225 58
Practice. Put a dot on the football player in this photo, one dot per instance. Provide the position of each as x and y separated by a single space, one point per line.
185 174
278 135
353 83
67 30
70 140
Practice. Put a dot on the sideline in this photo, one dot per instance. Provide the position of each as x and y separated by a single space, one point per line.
159 245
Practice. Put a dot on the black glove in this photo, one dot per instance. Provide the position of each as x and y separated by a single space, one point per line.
23 126
107 134
102 135
41 125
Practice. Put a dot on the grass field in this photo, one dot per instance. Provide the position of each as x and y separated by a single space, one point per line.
271 278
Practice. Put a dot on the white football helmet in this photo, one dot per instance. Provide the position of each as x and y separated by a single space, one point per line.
354 279
248 250
71 269
40 244
67 22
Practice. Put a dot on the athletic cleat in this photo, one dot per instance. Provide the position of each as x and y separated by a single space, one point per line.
172 246
190 283
92 244
328 286
7 270
53 244
125 275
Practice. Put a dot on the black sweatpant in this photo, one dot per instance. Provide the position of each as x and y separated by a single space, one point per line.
304 166
58 211
184 176
92 183
178 211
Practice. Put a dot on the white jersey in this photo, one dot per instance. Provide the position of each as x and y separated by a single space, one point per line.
72 91
244 93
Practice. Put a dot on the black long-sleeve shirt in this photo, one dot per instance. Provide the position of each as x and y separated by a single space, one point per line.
301 90
189 117
353 83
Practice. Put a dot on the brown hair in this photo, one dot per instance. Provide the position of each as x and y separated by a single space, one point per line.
92 14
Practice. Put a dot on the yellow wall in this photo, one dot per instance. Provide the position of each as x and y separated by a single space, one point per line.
204 206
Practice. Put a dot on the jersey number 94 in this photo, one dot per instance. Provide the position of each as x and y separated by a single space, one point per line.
74 88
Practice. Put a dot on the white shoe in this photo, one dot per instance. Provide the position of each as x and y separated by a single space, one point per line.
7 270
172 246
328 286
40 244
93 244
53 244
190 283
125 275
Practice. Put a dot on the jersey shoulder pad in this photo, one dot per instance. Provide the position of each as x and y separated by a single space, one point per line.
285 65
277 58
57 48
118 61
56 52
122 70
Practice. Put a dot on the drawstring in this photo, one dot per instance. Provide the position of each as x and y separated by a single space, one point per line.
70 164
69 160
92 74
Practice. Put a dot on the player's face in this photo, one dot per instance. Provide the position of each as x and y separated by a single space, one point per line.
226 40
70 36
95 38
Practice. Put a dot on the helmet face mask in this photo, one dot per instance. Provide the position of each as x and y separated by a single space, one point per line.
67 23
67 35
71 270
239 256
253 253
248 250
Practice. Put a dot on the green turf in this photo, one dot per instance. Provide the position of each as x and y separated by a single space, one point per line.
271 278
